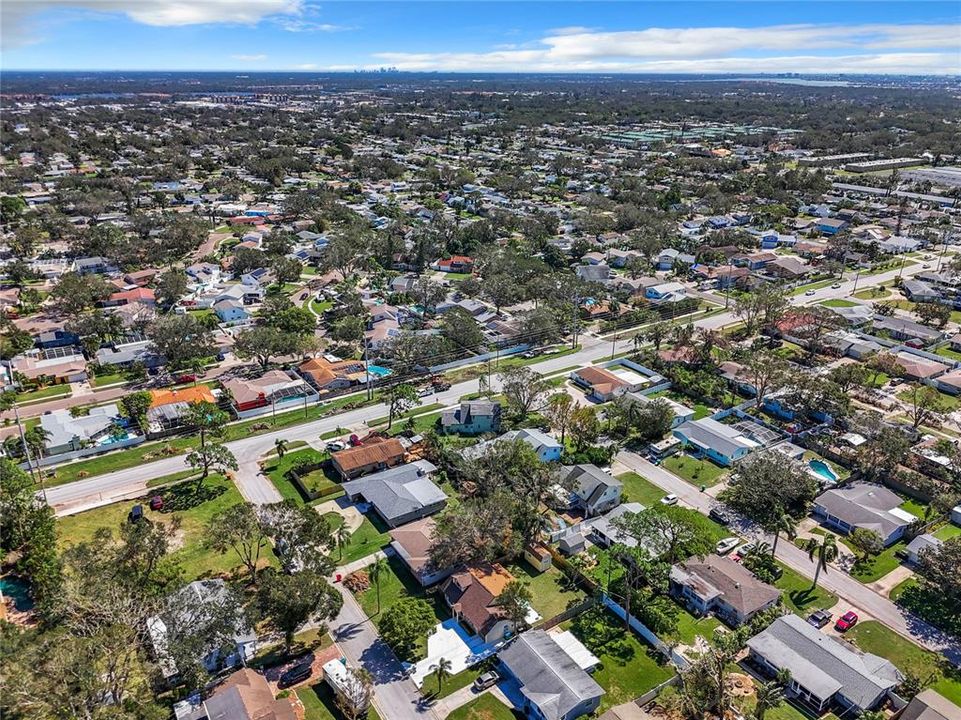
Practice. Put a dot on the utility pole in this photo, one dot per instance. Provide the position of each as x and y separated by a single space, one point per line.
370 392
944 249
856 278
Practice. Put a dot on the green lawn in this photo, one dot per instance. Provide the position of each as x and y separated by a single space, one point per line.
485 707
927 604
277 470
695 471
319 703
947 352
948 402
946 532
46 393
628 666
876 567
395 584
552 593
873 637
689 627
365 540
638 489
108 379
455 682
185 502
319 307
915 507
839 302
798 595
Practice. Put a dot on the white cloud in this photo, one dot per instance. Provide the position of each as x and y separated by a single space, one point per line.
297 25
15 15
306 66
869 48
249 58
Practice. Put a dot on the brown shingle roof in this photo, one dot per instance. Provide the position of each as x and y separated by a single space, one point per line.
369 454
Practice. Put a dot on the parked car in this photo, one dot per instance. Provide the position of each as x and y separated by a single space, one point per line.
810 292
719 516
425 391
819 618
296 674
669 500
740 551
847 621
186 378
335 445
156 503
355 441
486 680
135 514
726 545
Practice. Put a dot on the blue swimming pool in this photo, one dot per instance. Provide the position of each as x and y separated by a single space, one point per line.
378 370
823 470
17 591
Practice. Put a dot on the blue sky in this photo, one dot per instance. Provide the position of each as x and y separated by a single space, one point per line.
914 37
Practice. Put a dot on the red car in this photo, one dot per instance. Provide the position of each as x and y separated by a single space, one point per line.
156 503
846 621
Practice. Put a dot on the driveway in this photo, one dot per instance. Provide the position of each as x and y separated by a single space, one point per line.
449 640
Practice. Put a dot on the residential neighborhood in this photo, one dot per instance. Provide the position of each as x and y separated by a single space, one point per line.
402 396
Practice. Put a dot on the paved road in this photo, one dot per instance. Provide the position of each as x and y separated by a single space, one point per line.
395 696
256 488
835 580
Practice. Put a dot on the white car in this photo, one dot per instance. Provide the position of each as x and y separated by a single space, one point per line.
669 500
336 445
726 545
835 286
810 292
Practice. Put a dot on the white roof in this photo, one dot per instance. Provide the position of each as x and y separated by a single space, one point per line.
585 659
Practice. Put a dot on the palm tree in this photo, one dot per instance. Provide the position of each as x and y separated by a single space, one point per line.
769 696
783 523
281 446
826 551
342 539
443 670
376 572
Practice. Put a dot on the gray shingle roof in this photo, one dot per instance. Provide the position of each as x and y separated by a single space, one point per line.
823 664
864 505
400 490
548 675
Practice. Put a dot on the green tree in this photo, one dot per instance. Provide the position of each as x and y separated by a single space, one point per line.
442 670
264 343
405 624
523 388
400 398
180 339
212 456
515 600
289 601
558 410
767 487
280 446
868 543
207 419
136 405
75 293
781 523
376 571
342 539
241 529
769 695
171 286
822 552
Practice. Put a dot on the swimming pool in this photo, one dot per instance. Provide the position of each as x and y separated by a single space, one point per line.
378 370
17 591
822 469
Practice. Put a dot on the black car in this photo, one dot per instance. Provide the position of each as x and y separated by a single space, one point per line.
720 517
296 674
819 618
135 514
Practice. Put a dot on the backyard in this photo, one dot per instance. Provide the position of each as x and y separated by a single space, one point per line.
486 707
192 506
629 667
319 481
873 637
694 470
552 592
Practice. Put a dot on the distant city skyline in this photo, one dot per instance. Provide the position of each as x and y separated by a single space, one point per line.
917 38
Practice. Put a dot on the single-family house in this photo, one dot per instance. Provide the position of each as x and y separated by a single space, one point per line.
603 530
126 354
472 417
949 382
57 365
399 494
231 312
602 383
470 593
553 685
831 226
666 292
920 544
724 444
547 448
863 505
274 390
930 705
682 413
189 611
167 407
787 267
375 454
594 273
916 367
456 264
824 670
591 490
899 328
412 543
718 585
919 291
324 374
66 433
245 695
141 295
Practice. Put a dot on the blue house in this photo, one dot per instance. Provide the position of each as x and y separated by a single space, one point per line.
724 444
231 312
472 418
769 240
780 408
831 226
